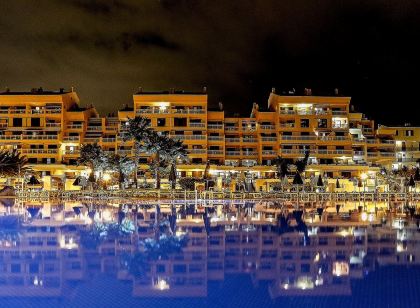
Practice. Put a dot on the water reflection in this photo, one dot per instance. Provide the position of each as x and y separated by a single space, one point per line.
165 250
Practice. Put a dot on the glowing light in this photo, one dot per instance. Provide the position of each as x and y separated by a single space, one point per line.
340 269
363 176
400 247
162 285
106 215
107 177
364 216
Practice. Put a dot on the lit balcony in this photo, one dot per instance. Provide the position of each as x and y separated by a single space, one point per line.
269 153
214 126
215 152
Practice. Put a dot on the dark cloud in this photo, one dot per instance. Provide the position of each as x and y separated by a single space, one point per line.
106 7
238 49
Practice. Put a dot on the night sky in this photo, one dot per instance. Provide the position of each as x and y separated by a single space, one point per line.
238 49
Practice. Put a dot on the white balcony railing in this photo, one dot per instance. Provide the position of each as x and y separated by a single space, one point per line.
269 152
269 139
74 126
197 125
214 126
189 137
215 152
197 151
39 151
232 140
39 137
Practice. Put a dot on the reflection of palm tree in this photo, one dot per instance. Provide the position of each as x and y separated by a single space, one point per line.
282 167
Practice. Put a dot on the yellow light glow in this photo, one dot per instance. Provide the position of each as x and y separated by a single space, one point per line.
363 176
340 269
162 285
364 216
107 177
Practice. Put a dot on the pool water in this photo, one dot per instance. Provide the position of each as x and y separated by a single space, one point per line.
71 255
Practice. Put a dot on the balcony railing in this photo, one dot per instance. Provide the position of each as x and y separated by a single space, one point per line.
56 125
197 151
249 140
340 126
94 128
108 140
74 126
71 138
39 137
339 112
17 111
196 111
359 153
231 128
286 137
334 152
215 152
269 139
52 110
232 139
189 137
249 153
197 125
215 138
233 153
91 139
71 152
39 151
124 152
268 127
287 125
292 151
269 152
214 126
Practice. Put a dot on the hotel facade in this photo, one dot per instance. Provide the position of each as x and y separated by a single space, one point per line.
49 127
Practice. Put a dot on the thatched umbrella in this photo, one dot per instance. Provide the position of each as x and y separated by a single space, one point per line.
411 182
417 175
33 211
77 182
297 180
33 181
320 183
77 210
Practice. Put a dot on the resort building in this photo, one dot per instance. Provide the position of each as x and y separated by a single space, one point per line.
407 145
49 127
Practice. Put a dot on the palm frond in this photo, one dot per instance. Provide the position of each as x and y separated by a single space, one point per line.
12 163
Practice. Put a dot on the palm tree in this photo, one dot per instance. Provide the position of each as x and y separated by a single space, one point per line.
157 145
12 163
92 156
123 165
138 129
175 151
300 168
282 167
